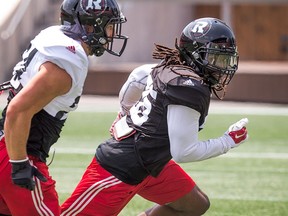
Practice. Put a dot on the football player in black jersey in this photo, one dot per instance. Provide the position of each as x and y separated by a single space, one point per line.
163 107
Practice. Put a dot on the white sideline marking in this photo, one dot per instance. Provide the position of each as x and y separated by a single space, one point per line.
255 155
111 104
271 111
98 103
221 107
85 151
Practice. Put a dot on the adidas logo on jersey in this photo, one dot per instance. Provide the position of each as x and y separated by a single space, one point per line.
188 82
71 49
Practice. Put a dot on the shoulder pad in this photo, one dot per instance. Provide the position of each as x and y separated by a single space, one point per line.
176 75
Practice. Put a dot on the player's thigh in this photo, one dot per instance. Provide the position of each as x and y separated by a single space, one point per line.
3 207
43 200
170 185
175 188
98 193
5 172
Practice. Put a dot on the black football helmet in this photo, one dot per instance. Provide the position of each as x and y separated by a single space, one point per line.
76 14
209 46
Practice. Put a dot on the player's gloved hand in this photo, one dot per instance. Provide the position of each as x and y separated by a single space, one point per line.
238 132
23 172
118 117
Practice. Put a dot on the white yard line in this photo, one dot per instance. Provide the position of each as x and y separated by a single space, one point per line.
256 155
249 198
111 104
84 151
61 189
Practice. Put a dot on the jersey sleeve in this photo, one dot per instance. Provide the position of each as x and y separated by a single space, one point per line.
182 86
63 51
191 94
74 63
183 136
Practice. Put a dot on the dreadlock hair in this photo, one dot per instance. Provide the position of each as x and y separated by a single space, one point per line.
171 58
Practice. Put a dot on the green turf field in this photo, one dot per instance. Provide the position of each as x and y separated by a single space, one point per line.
251 180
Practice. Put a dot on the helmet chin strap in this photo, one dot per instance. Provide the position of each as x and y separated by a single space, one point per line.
223 92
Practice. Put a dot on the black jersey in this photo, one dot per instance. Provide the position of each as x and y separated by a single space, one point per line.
148 150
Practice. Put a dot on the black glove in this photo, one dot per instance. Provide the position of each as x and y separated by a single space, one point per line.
23 172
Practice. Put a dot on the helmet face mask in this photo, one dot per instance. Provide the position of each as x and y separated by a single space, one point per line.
218 63
98 23
221 58
208 45
114 36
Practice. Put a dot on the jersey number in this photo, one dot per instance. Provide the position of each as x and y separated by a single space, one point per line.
141 110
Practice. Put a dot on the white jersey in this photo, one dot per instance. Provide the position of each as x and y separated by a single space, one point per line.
54 46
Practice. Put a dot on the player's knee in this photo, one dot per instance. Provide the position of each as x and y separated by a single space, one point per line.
201 201
205 205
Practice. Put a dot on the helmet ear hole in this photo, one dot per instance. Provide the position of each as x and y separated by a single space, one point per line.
102 41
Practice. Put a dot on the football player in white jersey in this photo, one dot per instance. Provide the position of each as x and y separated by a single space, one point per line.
163 107
46 85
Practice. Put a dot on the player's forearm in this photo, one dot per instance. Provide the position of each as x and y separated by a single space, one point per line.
185 145
202 150
16 134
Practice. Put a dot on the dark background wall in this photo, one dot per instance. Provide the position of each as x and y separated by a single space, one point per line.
262 37
261 29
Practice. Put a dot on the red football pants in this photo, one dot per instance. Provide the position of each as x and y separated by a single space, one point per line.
18 201
101 194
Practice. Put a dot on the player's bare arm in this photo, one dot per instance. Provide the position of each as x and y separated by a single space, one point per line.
50 82
46 85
